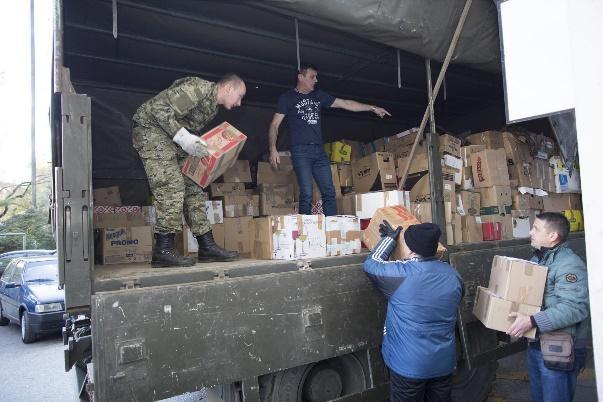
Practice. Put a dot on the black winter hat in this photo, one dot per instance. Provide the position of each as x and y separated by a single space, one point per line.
423 238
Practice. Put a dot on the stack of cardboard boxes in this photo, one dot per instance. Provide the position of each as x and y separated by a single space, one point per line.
515 286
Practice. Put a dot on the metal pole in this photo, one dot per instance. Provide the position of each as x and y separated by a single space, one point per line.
297 44
33 103
432 127
436 89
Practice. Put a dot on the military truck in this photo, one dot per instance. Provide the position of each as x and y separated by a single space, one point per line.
255 330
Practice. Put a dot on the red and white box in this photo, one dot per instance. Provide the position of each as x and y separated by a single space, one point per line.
224 144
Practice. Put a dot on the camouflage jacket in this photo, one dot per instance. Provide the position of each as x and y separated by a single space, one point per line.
189 102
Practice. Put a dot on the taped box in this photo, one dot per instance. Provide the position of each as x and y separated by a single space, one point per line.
106 196
368 203
105 217
517 280
276 199
238 173
490 168
241 205
224 143
124 245
342 235
375 172
289 237
494 311
237 234
395 216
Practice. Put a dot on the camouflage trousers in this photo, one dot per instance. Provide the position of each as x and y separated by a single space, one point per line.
175 195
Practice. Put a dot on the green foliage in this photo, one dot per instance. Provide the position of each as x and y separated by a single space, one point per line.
32 222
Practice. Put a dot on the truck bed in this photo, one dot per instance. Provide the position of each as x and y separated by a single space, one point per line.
120 276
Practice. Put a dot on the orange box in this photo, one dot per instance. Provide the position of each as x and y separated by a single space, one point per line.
224 144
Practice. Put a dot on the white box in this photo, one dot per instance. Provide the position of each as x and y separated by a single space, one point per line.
521 227
368 203
342 235
311 239
214 212
289 237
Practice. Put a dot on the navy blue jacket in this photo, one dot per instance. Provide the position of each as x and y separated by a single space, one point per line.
423 299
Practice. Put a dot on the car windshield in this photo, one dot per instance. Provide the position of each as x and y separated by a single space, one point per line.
46 271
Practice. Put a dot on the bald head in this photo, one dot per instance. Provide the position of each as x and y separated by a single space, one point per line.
231 90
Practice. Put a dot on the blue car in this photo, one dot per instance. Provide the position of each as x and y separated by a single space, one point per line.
30 296
7 257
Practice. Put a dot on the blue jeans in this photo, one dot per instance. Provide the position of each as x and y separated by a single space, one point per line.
548 385
310 161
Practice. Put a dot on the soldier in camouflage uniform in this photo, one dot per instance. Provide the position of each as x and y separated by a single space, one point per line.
164 134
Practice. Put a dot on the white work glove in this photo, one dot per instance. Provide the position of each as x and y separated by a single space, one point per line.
191 144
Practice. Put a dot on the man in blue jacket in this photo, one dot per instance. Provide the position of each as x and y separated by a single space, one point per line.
564 308
423 295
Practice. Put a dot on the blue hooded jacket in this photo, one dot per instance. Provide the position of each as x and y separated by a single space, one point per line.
423 299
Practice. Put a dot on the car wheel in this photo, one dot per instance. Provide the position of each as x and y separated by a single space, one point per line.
3 320
27 335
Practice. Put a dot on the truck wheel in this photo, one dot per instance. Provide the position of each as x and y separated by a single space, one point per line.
475 384
321 381
27 335
3 320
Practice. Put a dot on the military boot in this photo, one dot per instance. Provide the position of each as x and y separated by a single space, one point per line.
210 251
166 255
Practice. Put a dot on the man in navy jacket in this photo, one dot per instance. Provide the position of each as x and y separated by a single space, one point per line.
423 295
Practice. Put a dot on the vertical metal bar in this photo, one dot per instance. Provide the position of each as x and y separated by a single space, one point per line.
57 45
33 102
297 44
114 10
436 89
430 95
399 72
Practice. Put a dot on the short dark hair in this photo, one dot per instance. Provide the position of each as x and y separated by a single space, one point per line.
230 79
304 67
556 222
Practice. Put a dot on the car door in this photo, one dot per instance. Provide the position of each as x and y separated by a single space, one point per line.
6 275
11 306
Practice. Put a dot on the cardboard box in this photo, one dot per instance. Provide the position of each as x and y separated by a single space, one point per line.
471 229
421 192
218 232
450 145
468 203
186 243
289 237
108 196
106 217
238 173
342 235
489 139
368 203
214 211
466 152
517 280
419 163
561 202
375 172
276 199
355 149
527 201
222 189
395 216
268 175
346 204
519 161
489 168
345 174
224 143
494 312
338 151
241 205
237 234
505 231
544 176
495 200
521 224
124 245
454 232
422 211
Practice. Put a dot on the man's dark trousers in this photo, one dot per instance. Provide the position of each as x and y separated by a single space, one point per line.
311 161
404 389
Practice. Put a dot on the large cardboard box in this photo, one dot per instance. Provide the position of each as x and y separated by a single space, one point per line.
268 175
276 199
466 152
495 200
422 211
395 216
450 145
339 151
214 211
224 143
454 232
222 189
527 201
241 205
518 280
289 237
419 164
561 202
106 217
238 173
237 234
494 312
544 176
108 196
124 245
375 172
468 203
345 175
471 228
368 203
489 139
346 204
219 235
519 161
342 235
490 168
401 144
